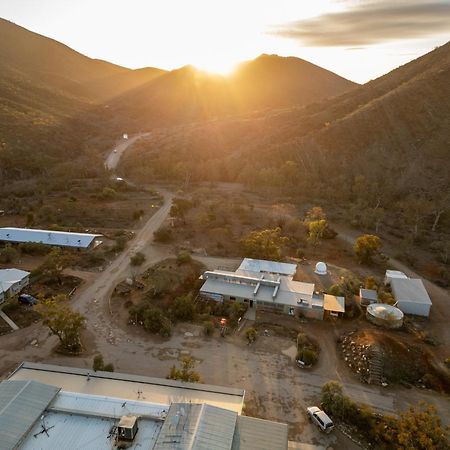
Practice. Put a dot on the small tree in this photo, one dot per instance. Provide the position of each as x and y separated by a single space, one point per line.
367 247
186 372
316 231
183 308
420 428
62 321
163 234
137 259
184 257
315 213
251 334
54 263
8 254
208 328
99 364
264 244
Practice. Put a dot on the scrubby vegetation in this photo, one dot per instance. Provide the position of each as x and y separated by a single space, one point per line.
419 428
187 371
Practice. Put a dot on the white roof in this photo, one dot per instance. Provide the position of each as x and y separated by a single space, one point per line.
263 266
395 274
80 421
130 387
260 287
410 290
48 237
9 277
321 268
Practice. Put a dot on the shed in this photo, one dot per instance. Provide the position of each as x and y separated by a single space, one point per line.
368 296
393 274
411 296
334 305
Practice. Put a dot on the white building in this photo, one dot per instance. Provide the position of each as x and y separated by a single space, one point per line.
48 237
268 284
393 275
411 296
12 281
52 407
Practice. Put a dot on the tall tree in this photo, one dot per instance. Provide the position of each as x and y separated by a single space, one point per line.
62 321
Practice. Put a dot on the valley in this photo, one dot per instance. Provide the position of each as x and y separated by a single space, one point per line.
183 175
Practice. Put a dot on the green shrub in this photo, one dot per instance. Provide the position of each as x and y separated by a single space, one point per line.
164 234
137 259
8 254
251 334
308 356
184 257
183 308
208 327
99 364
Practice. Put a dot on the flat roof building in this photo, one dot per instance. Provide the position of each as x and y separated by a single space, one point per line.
101 410
265 287
48 237
393 274
368 296
411 296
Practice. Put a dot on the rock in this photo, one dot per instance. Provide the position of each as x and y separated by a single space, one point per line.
189 334
34 343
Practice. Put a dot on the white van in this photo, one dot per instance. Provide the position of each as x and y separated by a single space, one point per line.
316 415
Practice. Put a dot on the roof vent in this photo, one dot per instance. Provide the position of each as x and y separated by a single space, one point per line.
127 428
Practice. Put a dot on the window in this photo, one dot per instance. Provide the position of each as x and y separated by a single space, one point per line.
232 298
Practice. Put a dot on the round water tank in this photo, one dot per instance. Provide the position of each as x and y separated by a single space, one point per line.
321 268
384 315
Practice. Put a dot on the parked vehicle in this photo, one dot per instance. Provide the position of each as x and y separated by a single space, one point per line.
27 299
319 417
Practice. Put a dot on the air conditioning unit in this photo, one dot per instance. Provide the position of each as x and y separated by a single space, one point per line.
127 428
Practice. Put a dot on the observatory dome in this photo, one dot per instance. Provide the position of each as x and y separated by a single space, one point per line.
321 268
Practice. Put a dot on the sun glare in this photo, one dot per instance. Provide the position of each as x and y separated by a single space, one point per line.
217 67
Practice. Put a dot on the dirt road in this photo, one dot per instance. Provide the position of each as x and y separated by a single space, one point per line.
114 156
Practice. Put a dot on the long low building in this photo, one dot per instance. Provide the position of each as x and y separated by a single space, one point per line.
12 281
269 285
49 237
52 407
411 296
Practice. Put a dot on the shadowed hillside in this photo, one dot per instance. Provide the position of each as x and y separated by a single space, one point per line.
188 94
381 152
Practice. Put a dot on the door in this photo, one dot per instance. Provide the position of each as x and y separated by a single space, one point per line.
251 303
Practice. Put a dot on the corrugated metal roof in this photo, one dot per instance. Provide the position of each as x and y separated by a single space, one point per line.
133 387
48 237
261 265
197 427
259 434
21 405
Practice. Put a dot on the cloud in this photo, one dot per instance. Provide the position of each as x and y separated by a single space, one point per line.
370 23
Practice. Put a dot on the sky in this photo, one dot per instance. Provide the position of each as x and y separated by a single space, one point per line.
358 39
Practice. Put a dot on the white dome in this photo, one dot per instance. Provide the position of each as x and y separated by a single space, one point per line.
321 268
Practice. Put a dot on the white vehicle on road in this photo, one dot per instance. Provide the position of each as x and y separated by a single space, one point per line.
316 415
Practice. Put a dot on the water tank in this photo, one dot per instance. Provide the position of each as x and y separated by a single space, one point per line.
321 268
384 315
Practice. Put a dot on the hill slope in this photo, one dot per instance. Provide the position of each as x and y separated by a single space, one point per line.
380 143
188 94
